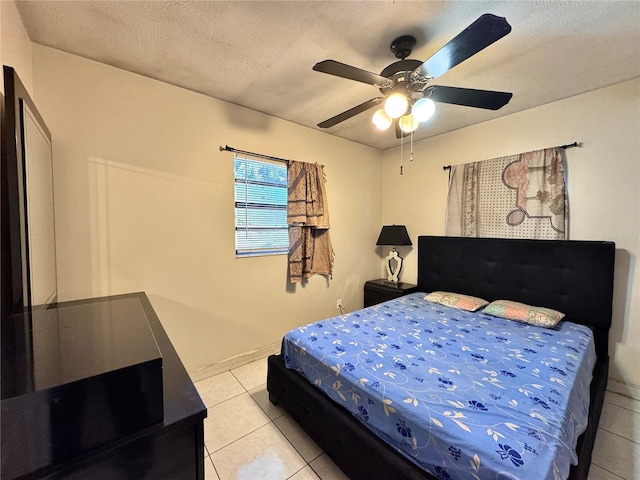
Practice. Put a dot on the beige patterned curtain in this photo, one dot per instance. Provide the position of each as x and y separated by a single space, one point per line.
519 196
310 250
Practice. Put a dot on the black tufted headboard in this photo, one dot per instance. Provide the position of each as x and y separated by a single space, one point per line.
574 277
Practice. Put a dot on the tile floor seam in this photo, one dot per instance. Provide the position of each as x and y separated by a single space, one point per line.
226 400
631 410
615 405
608 471
294 447
618 435
314 471
237 379
214 466
263 410
303 467
240 438
303 461
624 395
316 457
242 384
215 469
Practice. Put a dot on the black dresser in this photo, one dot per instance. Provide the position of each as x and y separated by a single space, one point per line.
381 290
94 389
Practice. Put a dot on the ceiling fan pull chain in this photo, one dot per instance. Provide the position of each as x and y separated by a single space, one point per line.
401 143
411 152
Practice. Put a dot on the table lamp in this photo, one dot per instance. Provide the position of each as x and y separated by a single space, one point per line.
394 235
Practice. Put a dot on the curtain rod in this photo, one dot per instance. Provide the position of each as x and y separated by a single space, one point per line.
227 148
564 147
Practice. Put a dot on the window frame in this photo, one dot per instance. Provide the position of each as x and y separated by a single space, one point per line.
262 245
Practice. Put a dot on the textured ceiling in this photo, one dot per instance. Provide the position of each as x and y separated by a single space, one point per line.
260 54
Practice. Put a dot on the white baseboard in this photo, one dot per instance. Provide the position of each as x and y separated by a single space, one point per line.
233 362
622 388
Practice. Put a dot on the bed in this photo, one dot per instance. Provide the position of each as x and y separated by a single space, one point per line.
575 277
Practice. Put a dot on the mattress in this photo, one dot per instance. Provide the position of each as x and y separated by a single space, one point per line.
461 394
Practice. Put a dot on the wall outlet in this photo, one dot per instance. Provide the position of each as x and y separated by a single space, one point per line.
339 303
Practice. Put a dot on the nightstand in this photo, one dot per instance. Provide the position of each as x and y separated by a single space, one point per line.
381 290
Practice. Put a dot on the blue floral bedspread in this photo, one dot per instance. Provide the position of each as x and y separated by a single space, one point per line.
464 395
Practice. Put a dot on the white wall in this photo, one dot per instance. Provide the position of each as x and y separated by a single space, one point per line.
15 46
144 202
603 185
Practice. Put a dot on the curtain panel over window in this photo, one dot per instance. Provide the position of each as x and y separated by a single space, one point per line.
310 250
518 196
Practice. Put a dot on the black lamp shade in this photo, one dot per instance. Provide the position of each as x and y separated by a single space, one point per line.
394 235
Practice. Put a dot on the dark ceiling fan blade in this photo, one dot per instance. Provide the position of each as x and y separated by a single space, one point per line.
480 34
352 112
352 73
469 97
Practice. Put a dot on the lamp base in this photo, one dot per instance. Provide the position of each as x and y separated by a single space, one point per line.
393 273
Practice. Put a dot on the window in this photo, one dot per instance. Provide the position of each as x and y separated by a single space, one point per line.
260 207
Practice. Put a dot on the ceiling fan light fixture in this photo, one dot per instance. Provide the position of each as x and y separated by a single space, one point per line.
408 123
404 84
396 105
423 109
381 120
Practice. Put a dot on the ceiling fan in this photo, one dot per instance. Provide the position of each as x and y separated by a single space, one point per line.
406 83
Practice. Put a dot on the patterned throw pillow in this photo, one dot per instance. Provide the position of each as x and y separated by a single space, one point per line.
538 316
457 300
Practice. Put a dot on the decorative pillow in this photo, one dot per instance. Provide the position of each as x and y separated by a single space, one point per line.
538 316
457 300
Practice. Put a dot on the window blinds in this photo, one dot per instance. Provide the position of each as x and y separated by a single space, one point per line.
260 207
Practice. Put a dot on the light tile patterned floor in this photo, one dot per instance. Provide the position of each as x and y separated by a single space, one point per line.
248 438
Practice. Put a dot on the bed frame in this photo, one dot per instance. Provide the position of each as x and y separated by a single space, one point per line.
575 277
